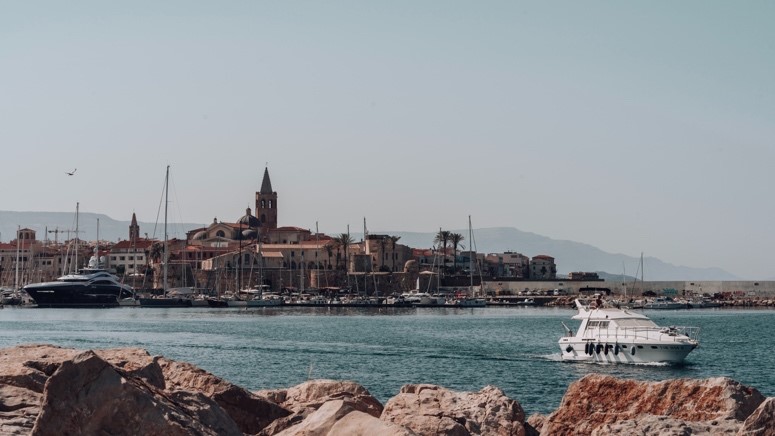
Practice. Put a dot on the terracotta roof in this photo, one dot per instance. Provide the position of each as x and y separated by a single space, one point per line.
290 229
543 256
304 245
127 244
272 254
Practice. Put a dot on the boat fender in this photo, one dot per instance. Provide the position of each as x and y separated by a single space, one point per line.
586 348
569 348
606 349
632 350
616 350
599 348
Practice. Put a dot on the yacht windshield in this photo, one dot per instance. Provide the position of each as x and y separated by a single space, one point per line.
635 323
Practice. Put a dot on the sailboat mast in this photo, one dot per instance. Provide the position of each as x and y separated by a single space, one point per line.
16 279
77 206
166 250
97 245
471 254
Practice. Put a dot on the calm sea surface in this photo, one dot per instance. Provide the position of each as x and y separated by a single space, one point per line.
382 349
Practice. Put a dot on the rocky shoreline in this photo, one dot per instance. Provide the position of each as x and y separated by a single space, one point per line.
47 390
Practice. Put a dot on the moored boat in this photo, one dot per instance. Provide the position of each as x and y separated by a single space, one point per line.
665 303
613 335
91 287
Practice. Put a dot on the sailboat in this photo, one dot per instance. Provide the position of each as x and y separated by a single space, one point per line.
169 299
470 300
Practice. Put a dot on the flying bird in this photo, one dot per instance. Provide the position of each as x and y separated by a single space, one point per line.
71 172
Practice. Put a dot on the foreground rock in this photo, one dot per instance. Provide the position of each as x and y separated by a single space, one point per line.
606 405
341 417
86 395
433 410
50 390
305 399
250 412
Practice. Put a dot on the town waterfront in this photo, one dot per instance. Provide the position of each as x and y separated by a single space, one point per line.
382 349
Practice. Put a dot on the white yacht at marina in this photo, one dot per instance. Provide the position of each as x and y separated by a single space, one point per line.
612 335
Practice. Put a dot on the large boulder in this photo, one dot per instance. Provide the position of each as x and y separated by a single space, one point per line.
23 373
306 398
29 391
314 393
433 410
251 412
762 421
87 395
357 423
604 402
340 417
135 362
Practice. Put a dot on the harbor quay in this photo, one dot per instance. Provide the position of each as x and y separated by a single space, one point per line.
675 288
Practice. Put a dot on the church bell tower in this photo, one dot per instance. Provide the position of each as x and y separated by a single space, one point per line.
266 203
134 229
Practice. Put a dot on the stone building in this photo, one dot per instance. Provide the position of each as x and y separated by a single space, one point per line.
507 265
542 267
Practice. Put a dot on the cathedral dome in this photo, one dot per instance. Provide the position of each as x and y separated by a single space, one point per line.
248 220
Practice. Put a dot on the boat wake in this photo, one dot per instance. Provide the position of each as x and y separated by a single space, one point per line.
551 357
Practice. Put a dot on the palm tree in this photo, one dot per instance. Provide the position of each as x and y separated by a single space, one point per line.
455 239
156 251
329 251
442 239
343 241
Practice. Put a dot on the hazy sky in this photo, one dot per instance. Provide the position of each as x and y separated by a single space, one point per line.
633 127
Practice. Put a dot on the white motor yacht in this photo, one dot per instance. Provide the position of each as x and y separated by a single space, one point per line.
611 335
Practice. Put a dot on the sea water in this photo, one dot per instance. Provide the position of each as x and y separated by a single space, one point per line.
382 349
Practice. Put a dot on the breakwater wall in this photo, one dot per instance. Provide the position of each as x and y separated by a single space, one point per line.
749 289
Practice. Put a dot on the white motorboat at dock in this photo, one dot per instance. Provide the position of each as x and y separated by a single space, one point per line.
613 335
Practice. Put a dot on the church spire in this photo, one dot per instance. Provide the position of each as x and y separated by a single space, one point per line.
134 229
266 184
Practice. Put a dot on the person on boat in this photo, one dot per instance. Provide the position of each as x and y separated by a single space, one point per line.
598 301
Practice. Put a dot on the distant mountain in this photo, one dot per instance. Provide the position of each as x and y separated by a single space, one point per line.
570 256
61 222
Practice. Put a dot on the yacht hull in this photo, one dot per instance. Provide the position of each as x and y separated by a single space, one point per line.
75 295
622 352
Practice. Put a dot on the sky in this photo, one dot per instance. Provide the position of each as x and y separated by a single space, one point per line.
631 126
